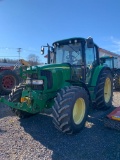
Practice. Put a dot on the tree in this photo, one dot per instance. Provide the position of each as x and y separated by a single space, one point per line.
4 60
33 59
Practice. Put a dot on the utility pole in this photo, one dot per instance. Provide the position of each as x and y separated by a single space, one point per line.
19 50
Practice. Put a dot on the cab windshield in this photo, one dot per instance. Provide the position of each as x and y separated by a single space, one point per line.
71 53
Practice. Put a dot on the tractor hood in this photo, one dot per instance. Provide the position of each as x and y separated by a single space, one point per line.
53 76
51 66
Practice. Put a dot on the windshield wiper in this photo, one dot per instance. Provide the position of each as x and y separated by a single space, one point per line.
72 48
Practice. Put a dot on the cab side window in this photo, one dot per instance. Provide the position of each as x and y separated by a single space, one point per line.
90 60
90 56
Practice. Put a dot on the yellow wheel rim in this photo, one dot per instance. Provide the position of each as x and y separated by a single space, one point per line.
107 90
79 111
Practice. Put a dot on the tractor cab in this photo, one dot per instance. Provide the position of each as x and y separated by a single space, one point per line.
81 55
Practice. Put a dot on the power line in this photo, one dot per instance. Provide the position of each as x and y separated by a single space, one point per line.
19 50
9 48
8 56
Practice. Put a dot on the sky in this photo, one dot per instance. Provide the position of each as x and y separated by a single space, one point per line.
29 24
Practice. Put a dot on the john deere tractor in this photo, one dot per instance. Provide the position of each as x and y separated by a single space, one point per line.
112 62
71 81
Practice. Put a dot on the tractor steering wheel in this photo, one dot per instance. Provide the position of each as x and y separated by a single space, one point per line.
71 58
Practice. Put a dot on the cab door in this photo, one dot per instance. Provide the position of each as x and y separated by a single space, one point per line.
90 56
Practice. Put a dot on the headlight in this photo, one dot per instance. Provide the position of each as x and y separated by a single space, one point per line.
35 82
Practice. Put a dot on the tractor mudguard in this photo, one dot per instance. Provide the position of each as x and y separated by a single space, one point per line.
80 84
96 74
94 80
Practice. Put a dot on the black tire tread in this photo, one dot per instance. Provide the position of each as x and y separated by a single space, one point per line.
100 103
61 108
15 97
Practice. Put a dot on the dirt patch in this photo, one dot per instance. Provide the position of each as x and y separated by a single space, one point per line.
36 138
116 99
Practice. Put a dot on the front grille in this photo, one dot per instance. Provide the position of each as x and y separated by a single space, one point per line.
37 87
48 75
32 76
44 73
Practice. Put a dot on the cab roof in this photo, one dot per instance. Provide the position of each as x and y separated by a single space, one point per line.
65 41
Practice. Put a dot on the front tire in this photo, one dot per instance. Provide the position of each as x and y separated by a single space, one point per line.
104 90
15 96
70 109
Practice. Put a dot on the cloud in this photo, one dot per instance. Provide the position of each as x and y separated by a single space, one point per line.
115 44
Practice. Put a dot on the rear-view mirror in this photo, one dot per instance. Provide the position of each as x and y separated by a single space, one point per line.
42 50
90 43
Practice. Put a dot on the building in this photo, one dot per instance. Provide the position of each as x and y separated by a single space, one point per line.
103 52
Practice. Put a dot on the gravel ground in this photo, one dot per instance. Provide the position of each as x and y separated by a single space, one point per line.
35 138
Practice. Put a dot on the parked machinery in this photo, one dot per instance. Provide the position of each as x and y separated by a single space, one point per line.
113 63
71 81
8 79
112 120
9 76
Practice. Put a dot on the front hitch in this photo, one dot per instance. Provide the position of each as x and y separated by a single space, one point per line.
17 105
7 102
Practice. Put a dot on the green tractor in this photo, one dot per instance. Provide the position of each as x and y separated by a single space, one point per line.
72 80
112 62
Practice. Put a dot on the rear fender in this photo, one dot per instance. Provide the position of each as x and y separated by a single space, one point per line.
94 80
97 73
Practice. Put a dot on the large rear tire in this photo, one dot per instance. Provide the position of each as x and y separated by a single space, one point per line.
70 109
104 90
8 80
117 80
15 97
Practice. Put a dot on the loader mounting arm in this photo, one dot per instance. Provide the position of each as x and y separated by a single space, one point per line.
23 62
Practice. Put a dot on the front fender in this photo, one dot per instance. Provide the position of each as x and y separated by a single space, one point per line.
80 84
